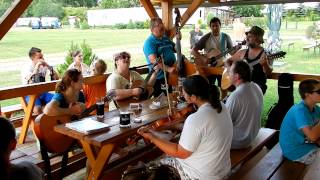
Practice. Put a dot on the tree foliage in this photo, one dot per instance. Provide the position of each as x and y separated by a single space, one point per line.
78 3
119 3
248 11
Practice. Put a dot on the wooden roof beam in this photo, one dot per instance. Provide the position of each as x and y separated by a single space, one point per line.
167 7
12 14
149 8
187 14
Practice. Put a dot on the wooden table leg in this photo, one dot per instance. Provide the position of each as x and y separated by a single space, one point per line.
27 118
97 162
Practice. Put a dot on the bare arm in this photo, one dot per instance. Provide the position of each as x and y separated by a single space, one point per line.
53 109
126 93
312 132
172 149
266 64
238 56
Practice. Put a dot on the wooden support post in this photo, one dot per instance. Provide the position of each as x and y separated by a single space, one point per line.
12 14
97 162
149 8
27 118
166 6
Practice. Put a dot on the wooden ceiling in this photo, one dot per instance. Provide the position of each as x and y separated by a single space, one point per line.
208 3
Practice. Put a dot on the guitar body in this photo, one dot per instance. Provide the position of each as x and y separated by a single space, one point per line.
226 81
214 53
44 129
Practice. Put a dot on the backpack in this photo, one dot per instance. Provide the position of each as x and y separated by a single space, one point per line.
278 110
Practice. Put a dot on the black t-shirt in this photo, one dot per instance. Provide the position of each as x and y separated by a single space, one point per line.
25 171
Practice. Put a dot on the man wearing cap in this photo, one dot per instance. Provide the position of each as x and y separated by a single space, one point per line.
212 41
255 56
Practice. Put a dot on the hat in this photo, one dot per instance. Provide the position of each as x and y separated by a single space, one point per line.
257 31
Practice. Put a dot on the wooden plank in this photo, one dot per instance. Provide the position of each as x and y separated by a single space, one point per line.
289 170
17 154
167 16
267 166
242 155
149 8
12 14
313 171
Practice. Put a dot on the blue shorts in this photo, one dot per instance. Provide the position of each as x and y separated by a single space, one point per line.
43 99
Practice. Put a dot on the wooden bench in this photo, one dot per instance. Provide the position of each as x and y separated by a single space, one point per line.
8 111
308 47
243 155
274 166
29 152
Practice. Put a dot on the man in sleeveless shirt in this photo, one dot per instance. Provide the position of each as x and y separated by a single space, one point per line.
255 56
214 40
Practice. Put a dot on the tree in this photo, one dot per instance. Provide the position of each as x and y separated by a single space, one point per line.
119 3
47 8
4 5
248 11
78 3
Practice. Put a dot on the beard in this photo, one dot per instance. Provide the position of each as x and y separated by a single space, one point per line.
252 45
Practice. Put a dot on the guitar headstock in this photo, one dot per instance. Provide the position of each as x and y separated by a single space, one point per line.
178 17
277 55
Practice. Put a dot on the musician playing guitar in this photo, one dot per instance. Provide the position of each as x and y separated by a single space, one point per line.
68 99
213 44
125 82
156 45
255 56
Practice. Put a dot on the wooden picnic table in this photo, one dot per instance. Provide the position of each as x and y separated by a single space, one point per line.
99 147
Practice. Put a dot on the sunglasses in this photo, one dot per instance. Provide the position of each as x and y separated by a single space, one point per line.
317 91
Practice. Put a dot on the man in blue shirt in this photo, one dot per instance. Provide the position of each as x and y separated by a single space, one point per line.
300 129
157 45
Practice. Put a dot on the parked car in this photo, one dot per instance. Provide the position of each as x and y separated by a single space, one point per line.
50 23
35 23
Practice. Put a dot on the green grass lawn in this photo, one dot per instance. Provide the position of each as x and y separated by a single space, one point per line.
18 41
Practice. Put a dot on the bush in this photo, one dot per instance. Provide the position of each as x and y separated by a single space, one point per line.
256 21
120 26
84 25
130 25
146 24
209 17
80 12
47 8
87 54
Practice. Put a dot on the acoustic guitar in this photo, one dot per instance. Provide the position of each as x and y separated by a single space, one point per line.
53 141
216 56
226 81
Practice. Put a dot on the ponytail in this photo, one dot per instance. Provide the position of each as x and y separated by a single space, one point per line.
200 87
214 97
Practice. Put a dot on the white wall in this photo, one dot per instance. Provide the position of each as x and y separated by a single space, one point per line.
112 16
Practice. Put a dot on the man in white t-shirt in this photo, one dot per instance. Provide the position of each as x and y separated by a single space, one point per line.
125 82
36 71
245 105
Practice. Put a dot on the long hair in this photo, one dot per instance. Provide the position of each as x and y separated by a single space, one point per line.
71 75
200 87
7 134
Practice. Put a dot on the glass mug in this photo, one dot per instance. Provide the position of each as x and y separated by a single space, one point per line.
100 107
